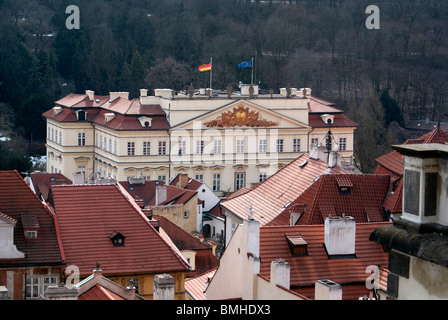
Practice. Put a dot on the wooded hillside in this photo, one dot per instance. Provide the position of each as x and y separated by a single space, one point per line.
377 76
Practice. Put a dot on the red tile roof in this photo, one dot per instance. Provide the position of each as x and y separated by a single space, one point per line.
271 197
89 214
392 165
196 286
306 270
339 120
205 260
146 191
20 203
364 201
126 112
318 105
42 182
99 292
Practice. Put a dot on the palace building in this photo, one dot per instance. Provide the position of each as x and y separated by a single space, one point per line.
226 139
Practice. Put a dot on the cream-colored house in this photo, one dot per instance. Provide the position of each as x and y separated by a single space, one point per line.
226 140
417 241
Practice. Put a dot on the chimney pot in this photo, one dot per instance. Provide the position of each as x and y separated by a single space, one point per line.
161 195
340 234
280 273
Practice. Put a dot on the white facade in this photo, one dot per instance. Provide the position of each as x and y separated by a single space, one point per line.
232 142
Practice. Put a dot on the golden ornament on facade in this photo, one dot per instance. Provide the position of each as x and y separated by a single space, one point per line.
240 116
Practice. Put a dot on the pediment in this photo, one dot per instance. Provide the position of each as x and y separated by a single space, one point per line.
242 114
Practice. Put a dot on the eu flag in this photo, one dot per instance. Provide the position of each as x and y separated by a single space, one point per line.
245 64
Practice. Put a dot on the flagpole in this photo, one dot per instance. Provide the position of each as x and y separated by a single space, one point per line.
252 80
211 70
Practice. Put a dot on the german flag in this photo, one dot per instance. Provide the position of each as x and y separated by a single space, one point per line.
205 67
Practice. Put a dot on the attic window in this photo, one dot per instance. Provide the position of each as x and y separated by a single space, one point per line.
297 245
327 118
145 121
344 184
81 115
117 239
30 225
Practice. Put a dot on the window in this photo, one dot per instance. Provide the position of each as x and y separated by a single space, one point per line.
186 214
110 145
216 182
117 239
199 177
60 137
52 134
105 143
49 133
239 146
217 146
162 178
146 148
182 147
314 141
279 145
31 234
101 142
239 180
96 140
199 147
296 145
162 147
262 146
49 281
115 146
81 139
342 144
262 176
32 287
131 148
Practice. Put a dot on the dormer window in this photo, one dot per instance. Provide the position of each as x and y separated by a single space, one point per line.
297 245
81 115
30 226
145 121
117 239
344 184
327 118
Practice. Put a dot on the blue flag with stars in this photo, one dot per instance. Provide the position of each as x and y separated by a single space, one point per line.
245 64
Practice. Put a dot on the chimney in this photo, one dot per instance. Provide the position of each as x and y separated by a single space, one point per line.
183 180
143 92
130 290
115 95
160 195
91 95
163 287
280 273
214 245
78 178
253 237
340 233
332 159
327 290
